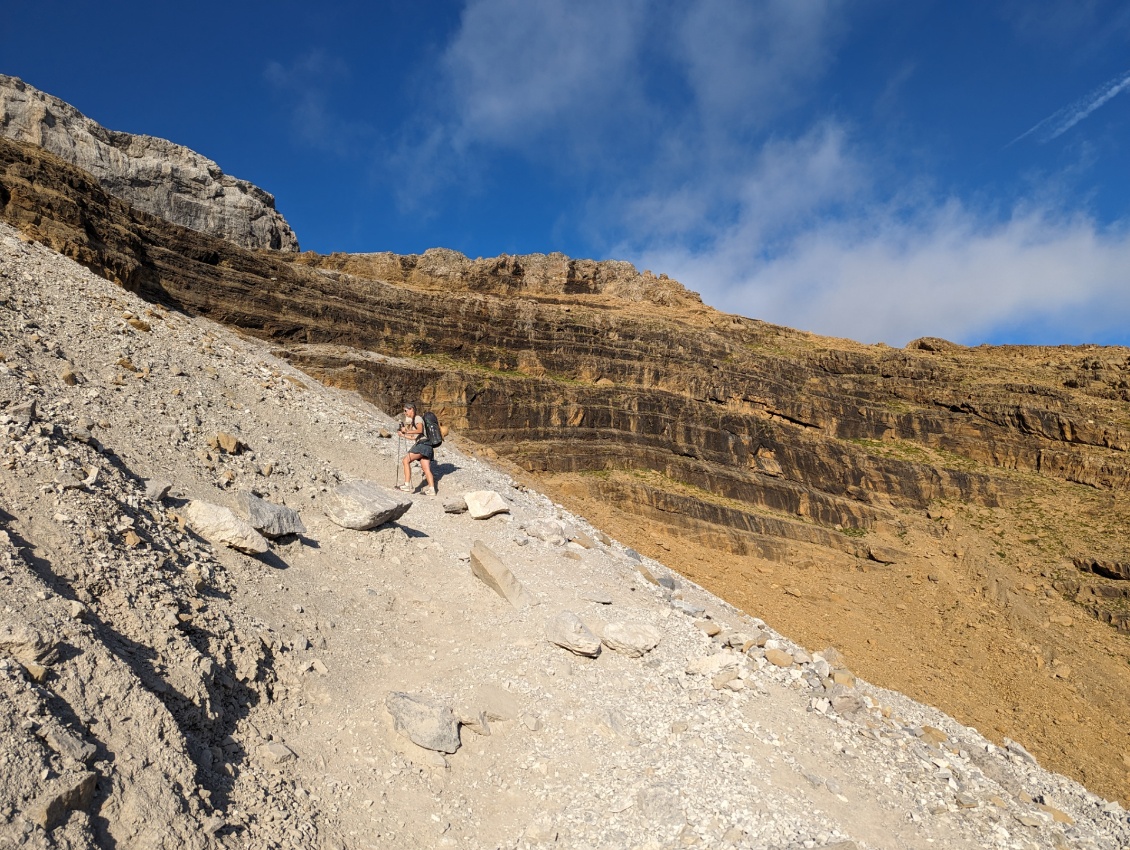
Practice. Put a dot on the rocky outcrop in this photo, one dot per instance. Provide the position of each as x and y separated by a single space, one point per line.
154 175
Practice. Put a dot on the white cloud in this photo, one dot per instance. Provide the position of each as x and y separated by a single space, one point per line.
883 275
523 74
305 85
749 62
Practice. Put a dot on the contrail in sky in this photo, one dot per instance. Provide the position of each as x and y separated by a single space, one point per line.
1058 123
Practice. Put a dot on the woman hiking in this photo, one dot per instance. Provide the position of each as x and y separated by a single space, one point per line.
413 428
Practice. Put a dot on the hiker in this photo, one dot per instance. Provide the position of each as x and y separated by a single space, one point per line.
413 428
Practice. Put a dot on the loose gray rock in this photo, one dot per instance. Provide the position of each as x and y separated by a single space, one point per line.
425 723
218 524
488 569
276 753
549 530
631 639
269 519
1017 750
67 793
362 505
567 631
455 506
156 489
23 414
482 504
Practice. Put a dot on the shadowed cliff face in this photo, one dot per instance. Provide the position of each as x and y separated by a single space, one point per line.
734 446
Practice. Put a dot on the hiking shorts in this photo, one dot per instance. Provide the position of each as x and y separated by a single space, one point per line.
423 450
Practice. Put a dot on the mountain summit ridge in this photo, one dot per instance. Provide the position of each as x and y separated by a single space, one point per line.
155 175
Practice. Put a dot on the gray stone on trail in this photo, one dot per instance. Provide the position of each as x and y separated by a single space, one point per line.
631 639
482 504
424 722
455 506
549 530
362 505
712 665
269 519
218 524
488 569
67 744
22 414
276 753
67 793
28 646
687 608
1017 750
568 632
156 489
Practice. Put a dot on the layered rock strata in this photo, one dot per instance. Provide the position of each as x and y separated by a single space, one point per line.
759 435
154 175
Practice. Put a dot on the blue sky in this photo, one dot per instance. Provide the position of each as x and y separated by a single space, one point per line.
879 170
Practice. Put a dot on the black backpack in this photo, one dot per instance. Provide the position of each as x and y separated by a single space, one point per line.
432 435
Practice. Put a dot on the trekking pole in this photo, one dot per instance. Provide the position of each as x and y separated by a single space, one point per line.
396 460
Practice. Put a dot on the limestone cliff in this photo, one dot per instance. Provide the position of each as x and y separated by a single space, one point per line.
155 175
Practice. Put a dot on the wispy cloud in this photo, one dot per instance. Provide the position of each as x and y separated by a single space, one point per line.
1060 122
306 86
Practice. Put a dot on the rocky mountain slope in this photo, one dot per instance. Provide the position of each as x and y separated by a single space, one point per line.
503 676
952 518
155 175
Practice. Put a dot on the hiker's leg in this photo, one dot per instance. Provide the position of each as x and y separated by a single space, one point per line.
426 465
408 458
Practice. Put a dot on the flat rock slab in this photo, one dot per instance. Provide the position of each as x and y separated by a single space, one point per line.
362 505
779 657
218 524
482 504
425 723
568 632
631 639
269 519
488 569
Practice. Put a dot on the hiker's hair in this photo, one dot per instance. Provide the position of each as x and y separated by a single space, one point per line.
415 407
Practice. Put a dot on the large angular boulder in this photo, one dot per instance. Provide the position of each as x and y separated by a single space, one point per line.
363 505
218 524
568 632
482 504
631 639
424 722
268 519
489 569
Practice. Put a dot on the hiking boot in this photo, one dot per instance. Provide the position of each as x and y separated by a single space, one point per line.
429 491
405 488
